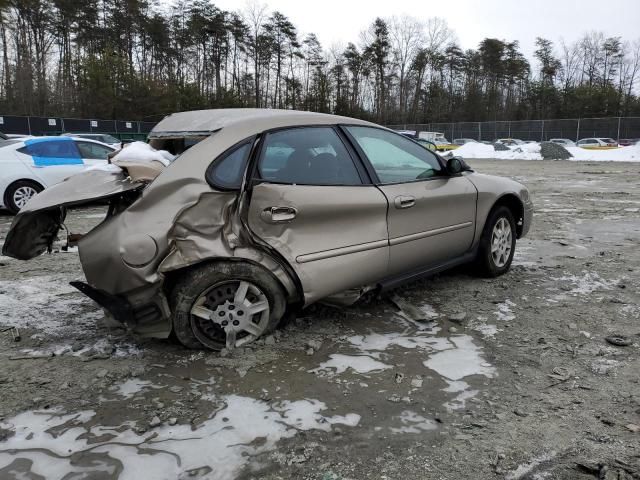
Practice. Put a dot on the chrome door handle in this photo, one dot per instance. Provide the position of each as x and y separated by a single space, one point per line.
404 201
278 214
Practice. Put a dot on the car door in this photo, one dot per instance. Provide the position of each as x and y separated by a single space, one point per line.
52 159
432 215
313 202
93 154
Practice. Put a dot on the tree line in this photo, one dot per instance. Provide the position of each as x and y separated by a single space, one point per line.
134 59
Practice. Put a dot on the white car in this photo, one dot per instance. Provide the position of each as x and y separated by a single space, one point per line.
98 137
28 166
510 142
565 142
597 143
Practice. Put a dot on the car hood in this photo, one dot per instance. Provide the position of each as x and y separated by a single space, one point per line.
37 224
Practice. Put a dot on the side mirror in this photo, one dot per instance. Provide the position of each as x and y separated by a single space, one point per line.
454 166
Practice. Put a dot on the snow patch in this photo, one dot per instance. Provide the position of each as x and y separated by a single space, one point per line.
46 303
526 468
413 423
504 313
380 342
143 152
358 363
217 449
461 361
531 151
586 284
132 386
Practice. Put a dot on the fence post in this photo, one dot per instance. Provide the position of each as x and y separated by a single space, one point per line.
509 129
479 131
578 131
618 139
542 132
62 124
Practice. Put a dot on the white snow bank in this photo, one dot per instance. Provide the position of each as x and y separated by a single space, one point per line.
622 154
143 152
528 151
531 151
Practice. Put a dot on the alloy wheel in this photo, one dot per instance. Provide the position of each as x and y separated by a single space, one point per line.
230 314
23 194
501 239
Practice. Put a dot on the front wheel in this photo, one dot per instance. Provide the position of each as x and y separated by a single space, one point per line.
225 305
497 244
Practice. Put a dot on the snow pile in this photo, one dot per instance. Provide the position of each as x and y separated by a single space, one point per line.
475 150
622 154
143 152
531 151
528 151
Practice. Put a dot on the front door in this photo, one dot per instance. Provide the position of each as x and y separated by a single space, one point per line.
431 215
312 201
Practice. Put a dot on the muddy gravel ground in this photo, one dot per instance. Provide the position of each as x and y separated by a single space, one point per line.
514 377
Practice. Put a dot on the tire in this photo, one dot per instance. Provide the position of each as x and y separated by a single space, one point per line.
486 262
209 289
18 193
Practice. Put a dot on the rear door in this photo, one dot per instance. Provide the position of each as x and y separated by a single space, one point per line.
93 154
431 215
52 159
313 202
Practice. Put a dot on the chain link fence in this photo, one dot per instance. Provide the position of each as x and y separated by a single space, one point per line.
125 130
537 130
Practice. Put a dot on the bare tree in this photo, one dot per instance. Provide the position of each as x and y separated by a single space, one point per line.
407 37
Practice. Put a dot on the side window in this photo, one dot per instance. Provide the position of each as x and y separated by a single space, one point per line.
93 151
227 172
307 156
52 152
395 158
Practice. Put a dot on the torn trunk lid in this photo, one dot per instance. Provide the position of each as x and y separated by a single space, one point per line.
37 224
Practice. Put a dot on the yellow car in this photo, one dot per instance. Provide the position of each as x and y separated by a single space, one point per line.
597 143
443 145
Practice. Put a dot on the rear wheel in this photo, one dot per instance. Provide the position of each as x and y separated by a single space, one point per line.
226 305
497 244
19 193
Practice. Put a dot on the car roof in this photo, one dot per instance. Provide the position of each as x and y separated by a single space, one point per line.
204 122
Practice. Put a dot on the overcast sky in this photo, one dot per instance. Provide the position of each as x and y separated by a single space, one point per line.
341 21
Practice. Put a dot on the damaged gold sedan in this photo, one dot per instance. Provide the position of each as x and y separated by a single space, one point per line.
265 212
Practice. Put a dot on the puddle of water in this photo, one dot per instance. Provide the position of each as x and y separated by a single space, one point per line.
453 358
58 445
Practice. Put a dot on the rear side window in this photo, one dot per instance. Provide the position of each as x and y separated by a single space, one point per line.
227 172
93 150
52 152
307 156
